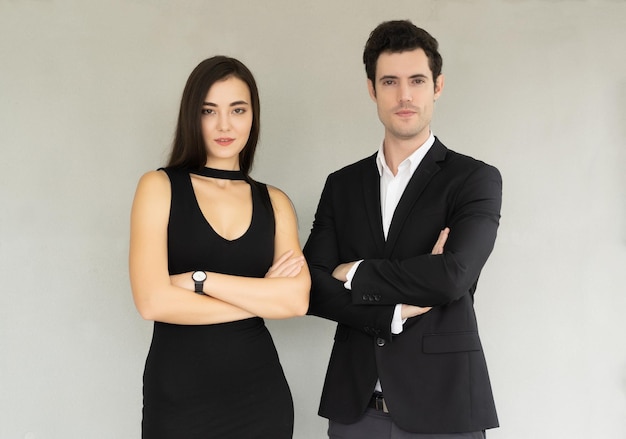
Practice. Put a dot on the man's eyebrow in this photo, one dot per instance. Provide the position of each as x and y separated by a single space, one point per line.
417 75
232 104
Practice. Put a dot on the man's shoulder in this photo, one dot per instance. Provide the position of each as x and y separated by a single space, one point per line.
456 159
454 156
367 164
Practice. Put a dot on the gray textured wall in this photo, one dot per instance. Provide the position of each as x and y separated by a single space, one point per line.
88 99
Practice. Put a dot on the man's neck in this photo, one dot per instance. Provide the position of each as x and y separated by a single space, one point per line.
397 150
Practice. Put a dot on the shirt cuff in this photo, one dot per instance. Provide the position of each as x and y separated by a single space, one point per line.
397 322
350 275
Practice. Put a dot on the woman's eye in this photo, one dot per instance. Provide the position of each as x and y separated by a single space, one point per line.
207 111
239 110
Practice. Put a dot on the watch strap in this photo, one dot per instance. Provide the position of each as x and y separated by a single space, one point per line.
198 284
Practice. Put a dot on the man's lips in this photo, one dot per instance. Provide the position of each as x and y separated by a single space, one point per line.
224 141
405 113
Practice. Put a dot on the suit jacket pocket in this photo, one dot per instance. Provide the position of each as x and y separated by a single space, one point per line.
451 342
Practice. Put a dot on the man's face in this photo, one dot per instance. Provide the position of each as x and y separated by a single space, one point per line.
405 94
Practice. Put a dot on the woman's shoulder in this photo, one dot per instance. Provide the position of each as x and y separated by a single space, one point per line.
277 194
154 183
152 198
154 178
280 201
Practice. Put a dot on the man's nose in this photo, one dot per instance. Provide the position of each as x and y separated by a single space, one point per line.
405 93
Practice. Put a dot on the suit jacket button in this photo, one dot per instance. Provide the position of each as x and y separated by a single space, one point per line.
377 297
380 342
364 296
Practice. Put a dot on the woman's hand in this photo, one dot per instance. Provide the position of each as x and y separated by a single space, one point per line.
286 266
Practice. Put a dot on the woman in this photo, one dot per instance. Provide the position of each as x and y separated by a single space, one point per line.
212 253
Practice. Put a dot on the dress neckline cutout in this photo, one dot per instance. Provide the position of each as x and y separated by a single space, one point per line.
219 173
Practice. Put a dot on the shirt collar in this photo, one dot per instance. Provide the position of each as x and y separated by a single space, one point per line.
413 160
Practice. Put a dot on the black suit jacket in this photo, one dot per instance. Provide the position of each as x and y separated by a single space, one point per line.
433 374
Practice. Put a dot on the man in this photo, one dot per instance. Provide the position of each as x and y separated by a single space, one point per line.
407 361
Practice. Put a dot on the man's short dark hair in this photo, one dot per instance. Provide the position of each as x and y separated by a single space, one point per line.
400 36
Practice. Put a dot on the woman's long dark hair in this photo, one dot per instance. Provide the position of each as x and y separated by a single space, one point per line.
188 149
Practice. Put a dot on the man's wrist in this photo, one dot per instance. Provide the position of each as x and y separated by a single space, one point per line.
397 322
350 274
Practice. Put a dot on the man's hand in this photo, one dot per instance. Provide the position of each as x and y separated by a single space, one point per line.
441 240
341 271
409 311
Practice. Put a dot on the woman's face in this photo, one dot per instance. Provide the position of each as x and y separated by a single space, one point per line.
226 121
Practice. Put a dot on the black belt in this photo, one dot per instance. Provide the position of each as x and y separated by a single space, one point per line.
377 402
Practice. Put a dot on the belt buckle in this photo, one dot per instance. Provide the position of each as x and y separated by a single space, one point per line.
380 403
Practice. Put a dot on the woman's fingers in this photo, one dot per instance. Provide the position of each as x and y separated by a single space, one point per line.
286 266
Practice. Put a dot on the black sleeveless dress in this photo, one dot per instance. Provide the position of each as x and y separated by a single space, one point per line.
222 380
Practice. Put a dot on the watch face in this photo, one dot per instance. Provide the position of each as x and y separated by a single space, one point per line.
198 276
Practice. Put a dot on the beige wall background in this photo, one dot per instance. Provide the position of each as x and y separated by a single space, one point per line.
89 93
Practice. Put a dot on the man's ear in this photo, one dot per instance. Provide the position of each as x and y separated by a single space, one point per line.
439 85
371 89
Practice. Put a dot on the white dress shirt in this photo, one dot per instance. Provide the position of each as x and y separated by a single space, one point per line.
391 189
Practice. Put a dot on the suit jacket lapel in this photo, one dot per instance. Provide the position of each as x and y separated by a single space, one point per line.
418 182
371 194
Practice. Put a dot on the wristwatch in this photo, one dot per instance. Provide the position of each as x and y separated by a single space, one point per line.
198 278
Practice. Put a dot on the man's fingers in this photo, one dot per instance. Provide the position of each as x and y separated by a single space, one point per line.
441 241
409 311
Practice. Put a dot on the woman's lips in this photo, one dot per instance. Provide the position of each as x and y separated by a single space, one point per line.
224 141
